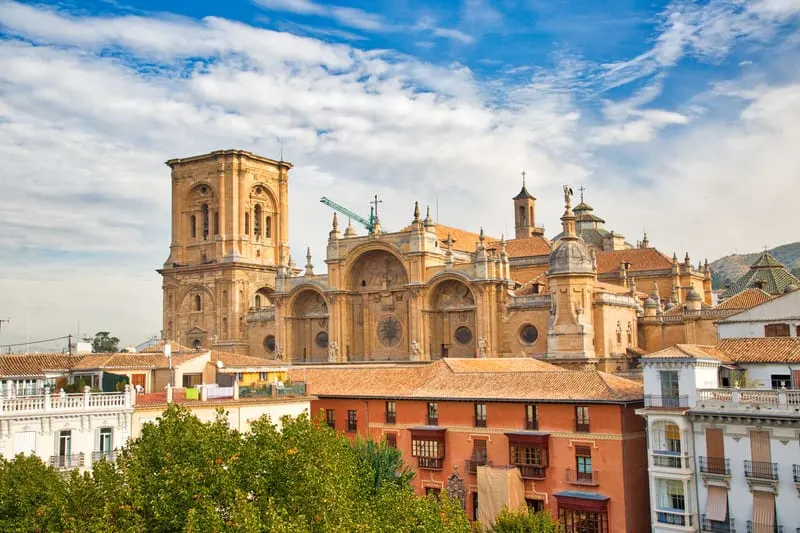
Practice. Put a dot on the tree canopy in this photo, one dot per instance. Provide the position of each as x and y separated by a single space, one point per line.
523 522
186 475
103 342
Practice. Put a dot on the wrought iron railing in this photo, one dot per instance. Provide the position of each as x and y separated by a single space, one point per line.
480 422
666 459
67 462
674 518
532 471
104 456
433 420
665 402
715 526
532 425
753 527
471 465
430 463
582 478
582 427
715 465
761 470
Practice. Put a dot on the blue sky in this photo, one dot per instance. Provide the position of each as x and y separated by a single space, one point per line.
679 117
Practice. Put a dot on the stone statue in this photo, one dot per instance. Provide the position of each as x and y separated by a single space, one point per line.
456 489
482 347
279 353
568 196
416 351
333 352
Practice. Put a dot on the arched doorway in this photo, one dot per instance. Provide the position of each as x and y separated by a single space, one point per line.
451 320
309 327
379 314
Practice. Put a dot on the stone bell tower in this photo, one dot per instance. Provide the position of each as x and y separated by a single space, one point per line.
572 276
525 214
229 236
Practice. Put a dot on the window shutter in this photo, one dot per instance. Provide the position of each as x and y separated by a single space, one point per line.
715 446
759 446
796 379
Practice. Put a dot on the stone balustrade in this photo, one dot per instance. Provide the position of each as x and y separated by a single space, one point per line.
749 400
50 403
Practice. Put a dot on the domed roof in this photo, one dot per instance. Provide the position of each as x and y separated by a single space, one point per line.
694 296
650 303
571 256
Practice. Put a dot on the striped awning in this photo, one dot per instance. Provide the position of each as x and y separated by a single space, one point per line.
763 512
717 507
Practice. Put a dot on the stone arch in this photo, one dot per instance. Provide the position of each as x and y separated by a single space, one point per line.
451 318
193 323
665 436
263 298
262 210
308 325
375 270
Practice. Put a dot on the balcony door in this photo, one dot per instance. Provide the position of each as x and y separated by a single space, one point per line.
669 388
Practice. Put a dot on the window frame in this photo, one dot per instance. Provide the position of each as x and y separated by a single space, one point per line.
432 414
777 329
531 423
352 420
330 418
582 419
479 415
391 412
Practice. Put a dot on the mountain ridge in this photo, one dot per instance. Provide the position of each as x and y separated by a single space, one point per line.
727 269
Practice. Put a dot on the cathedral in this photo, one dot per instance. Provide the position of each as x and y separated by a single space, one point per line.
586 299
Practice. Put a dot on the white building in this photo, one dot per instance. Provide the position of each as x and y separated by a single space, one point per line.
724 459
774 317
66 430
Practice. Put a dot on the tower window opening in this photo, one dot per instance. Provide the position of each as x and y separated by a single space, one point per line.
522 215
247 224
531 215
268 227
193 224
216 223
257 221
198 303
204 210
258 301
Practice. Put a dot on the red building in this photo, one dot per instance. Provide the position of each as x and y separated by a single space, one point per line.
573 435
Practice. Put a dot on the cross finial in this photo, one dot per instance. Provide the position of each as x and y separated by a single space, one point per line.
375 203
582 188
523 178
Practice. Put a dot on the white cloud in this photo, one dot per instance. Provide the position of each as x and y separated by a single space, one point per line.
86 201
304 7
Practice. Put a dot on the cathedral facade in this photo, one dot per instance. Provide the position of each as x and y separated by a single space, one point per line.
425 292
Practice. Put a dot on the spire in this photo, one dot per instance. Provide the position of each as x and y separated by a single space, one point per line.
291 265
428 220
523 193
481 237
645 242
416 211
309 264
687 261
334 234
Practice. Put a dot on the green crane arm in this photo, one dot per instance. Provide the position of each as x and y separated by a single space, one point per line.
343 210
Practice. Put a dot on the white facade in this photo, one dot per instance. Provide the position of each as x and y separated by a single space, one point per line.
683 476
784 309
66 430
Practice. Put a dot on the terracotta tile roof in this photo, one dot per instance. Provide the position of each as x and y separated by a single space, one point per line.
498 379
238 361
463 240
690 351
159 347
601 286
640 259
119 361
35 365
746 299
762 349
531 246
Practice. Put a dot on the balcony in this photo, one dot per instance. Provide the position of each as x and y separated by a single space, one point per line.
715 466
430 463
532 471
674 518
665 459
479 422
581 427
67 462
666 402
582 478
752 527
761 470
471 465
433 420
713 526
391 418
532 425
104 456
749 401
86 401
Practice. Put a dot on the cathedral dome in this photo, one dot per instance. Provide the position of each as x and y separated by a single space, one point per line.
571 256
694 296
650 303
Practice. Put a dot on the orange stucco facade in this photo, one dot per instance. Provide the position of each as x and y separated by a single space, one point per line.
616 438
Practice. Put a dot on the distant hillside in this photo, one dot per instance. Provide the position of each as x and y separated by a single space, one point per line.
728 269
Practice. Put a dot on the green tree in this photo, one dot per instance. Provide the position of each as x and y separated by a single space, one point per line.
103 342
524 522
386 462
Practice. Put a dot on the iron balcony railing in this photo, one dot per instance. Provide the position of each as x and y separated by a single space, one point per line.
753 527
430 463
532 425
471 465
666 459
104 456
480 422
582 427
714 526
674 518
582 478
433 420
532 471
761 470
665 402
67 462
715 465
391 418
796 469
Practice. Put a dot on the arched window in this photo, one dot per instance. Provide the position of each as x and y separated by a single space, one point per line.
198 303
224 328
204 210
522 215
258 301
216 223
268 227
247 224
193 224
531 215
257 221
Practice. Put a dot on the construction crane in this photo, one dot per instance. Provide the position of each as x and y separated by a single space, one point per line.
367 223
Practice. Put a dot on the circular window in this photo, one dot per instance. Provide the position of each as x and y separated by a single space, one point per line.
269 343
528 334
390 331
463 335
203 189
322 339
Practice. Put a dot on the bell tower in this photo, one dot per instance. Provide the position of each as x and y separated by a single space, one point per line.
525 214
229 236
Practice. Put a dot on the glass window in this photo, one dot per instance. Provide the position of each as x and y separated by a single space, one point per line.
669 384
106 440
330 418
480 415
391 413
352 420
479 451
425 448
391 440
781 380
529 456
192 380
433 414
575 521
531 417
776 330
581 418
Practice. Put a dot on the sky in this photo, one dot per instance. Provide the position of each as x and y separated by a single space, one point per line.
679 118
